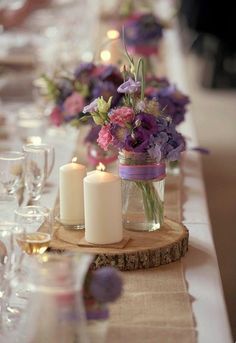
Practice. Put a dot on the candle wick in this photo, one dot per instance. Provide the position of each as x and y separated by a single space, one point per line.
101 167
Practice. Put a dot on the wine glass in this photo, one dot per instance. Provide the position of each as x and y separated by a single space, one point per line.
36 222
9 261
39 164
11 170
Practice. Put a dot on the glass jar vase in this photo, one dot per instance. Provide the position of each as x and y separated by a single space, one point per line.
143 182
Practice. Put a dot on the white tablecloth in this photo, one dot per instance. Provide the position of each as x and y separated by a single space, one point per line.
201 266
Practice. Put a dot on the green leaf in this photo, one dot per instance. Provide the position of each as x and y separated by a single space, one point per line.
81 88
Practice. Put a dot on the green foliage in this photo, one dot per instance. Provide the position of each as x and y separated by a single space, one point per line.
49 87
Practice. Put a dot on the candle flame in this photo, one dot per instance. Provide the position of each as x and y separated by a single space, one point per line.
74 159
105 55
34 140
113 34
101 167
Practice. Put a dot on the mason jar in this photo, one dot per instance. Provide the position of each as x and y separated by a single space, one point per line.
143 180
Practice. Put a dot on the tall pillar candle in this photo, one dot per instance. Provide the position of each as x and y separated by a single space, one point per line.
102 207
72 194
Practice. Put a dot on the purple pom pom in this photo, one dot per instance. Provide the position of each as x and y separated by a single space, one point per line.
106 284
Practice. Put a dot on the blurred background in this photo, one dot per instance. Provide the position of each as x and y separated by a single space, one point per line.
209 41
36 36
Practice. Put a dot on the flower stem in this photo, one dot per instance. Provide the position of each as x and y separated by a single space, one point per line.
152 203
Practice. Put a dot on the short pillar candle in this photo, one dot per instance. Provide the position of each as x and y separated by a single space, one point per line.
103 208
72 194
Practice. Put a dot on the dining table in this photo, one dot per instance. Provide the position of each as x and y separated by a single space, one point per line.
200 267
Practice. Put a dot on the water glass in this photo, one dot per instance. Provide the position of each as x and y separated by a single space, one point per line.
36 222
40 160
31 122
35 170
11 170
50 155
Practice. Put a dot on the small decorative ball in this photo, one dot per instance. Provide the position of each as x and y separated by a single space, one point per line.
106 284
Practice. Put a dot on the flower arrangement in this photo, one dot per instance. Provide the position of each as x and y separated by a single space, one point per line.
142 32
70 93
101 286
137 126
172 101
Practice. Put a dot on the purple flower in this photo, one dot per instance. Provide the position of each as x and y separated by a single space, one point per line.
157 82
174 154
119 135
156 143
104 82
92 107
155 152
147 122
174 146
84 68
111 73
137 141
106 89
65 88
130 86
171 101
142 30
201 150
106 285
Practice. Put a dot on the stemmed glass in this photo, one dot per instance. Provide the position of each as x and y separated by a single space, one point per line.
9 261
12 165
11 170
39 164
33 238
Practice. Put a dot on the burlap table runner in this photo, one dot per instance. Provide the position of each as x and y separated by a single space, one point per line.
155 306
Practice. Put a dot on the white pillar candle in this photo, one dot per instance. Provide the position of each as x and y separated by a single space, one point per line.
72 194
102 207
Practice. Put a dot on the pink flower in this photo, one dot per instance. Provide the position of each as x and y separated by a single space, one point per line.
105 137
122 116
74 104
56 116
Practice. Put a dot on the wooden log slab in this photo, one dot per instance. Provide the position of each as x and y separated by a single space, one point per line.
143 250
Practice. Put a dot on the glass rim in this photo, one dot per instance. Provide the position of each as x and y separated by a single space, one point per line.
30 147
15 155
42 210
37 145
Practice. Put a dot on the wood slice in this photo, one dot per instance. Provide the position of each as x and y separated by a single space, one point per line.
143 250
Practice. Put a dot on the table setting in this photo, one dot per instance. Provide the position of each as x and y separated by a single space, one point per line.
104 227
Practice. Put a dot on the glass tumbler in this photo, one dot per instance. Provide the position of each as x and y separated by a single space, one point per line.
36 222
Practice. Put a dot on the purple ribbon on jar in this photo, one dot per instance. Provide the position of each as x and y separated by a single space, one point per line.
143 172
